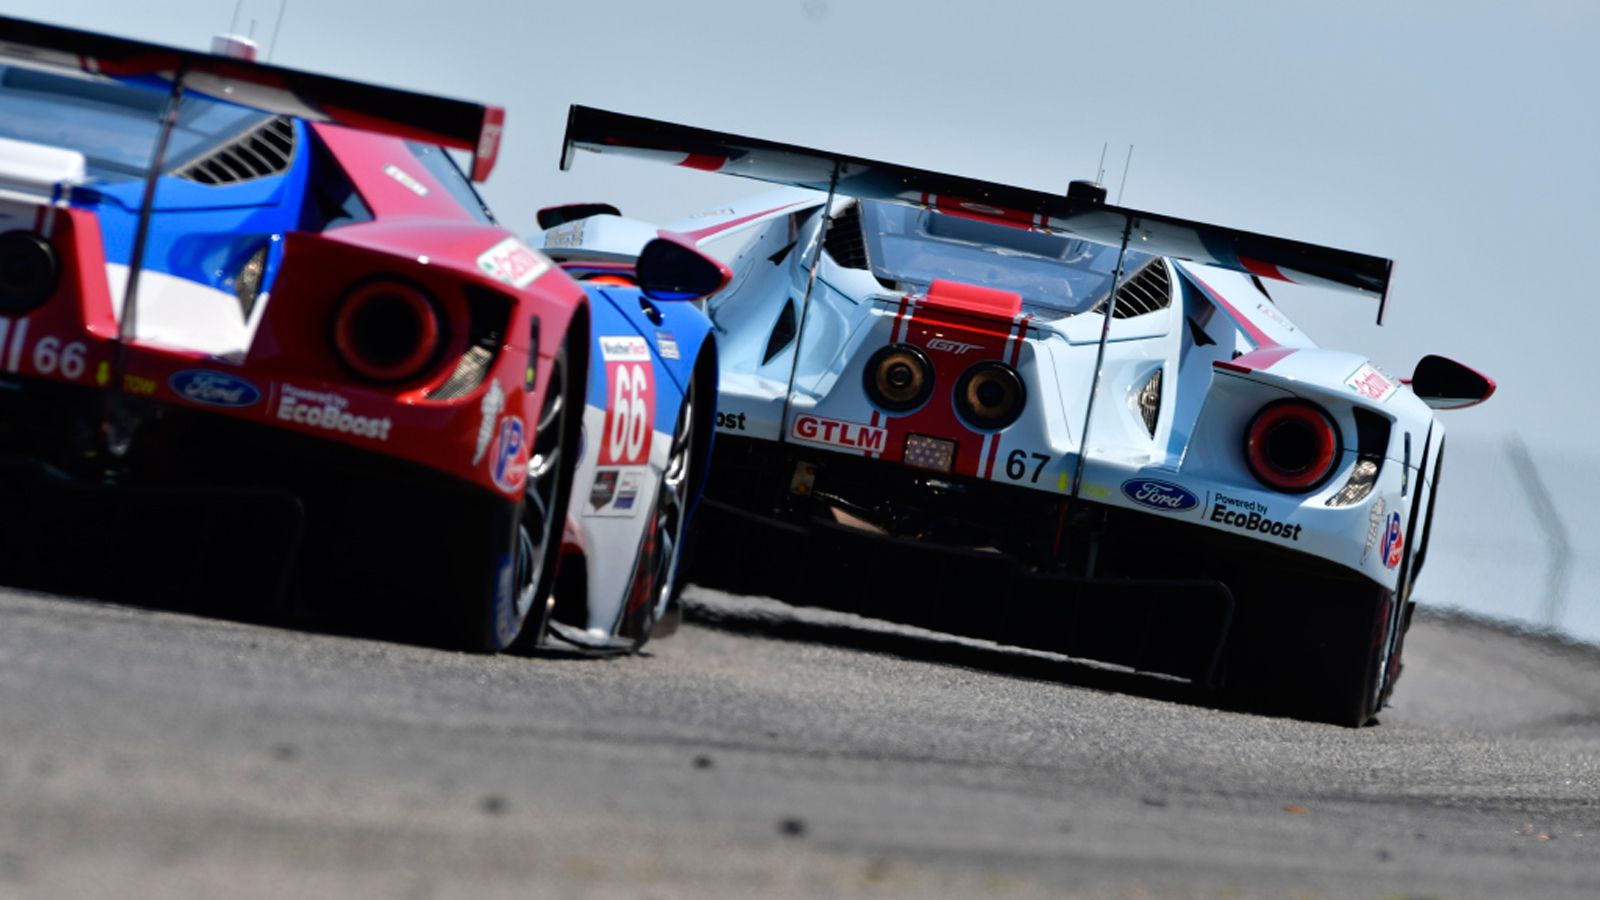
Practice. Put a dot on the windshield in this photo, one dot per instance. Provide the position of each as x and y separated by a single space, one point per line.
1053 274
112 125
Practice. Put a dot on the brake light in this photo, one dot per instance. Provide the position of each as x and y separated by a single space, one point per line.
387 331
1291 446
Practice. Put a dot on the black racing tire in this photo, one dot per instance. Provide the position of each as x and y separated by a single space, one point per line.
651 609
1319 655
511 604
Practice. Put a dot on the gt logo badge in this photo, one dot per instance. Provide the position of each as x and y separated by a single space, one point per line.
851 435
508 464
948 346
1162 495
1393 542
630 380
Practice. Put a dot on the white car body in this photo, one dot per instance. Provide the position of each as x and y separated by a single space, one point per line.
899 263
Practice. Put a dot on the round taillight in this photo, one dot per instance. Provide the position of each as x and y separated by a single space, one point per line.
387 331
898 378
990 395
29 270
1291 446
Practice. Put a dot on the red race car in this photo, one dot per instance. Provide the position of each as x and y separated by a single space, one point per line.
260 340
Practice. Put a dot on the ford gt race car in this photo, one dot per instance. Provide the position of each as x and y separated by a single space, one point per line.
1051 422
261 341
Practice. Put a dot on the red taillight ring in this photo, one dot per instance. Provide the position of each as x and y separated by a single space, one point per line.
386 331
1292 446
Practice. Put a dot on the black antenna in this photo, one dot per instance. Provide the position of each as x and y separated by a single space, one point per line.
277 26
1100 176
1125 165
233 23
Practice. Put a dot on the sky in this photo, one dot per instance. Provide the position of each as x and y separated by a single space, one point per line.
1458 139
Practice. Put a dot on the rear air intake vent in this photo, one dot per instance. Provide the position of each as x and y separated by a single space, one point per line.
1146 291
262 151
845 242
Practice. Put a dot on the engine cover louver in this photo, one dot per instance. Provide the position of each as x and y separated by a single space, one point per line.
844 241
1146 291
262 151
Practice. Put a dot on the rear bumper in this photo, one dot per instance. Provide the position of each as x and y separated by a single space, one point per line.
1016 566
207 509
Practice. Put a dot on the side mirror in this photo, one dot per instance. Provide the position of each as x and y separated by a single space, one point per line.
551 216
671 268
1446 384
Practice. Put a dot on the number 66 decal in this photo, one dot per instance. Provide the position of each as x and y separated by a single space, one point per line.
630 395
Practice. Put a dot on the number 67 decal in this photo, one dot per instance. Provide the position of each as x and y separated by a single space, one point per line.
630 402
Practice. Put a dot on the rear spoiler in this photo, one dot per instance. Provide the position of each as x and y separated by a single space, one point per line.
1082 213
318 98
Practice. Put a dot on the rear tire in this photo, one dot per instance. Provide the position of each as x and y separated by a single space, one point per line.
513 609
1324 660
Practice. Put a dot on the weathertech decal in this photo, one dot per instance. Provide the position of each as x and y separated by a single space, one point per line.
850 435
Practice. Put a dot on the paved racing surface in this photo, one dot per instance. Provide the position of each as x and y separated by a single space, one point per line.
763 752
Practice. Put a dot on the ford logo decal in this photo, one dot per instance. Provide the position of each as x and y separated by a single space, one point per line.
214 388
1162 495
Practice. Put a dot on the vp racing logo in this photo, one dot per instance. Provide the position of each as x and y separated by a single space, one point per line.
508 463
214 388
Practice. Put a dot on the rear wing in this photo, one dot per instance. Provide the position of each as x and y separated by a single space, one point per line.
319 98
1082 213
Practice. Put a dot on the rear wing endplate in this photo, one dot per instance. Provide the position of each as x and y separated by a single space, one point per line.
1086 217
319 98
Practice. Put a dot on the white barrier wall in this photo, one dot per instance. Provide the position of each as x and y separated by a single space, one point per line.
1500 550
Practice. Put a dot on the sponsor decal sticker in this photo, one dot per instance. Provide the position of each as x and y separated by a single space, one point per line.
1369 382
568 235
668 344
329 412
1249 515
945 345
850 435
631 393
513 262
1393 542
1275 316
728 421
615 492
213 388
627 490
605 487
135 384
493 403
1161 495
1374 525
508 463
411 184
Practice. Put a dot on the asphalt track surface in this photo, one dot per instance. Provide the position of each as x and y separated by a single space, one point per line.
763 751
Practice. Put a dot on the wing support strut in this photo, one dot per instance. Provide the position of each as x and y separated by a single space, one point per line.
815 250
1099 361
115 425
